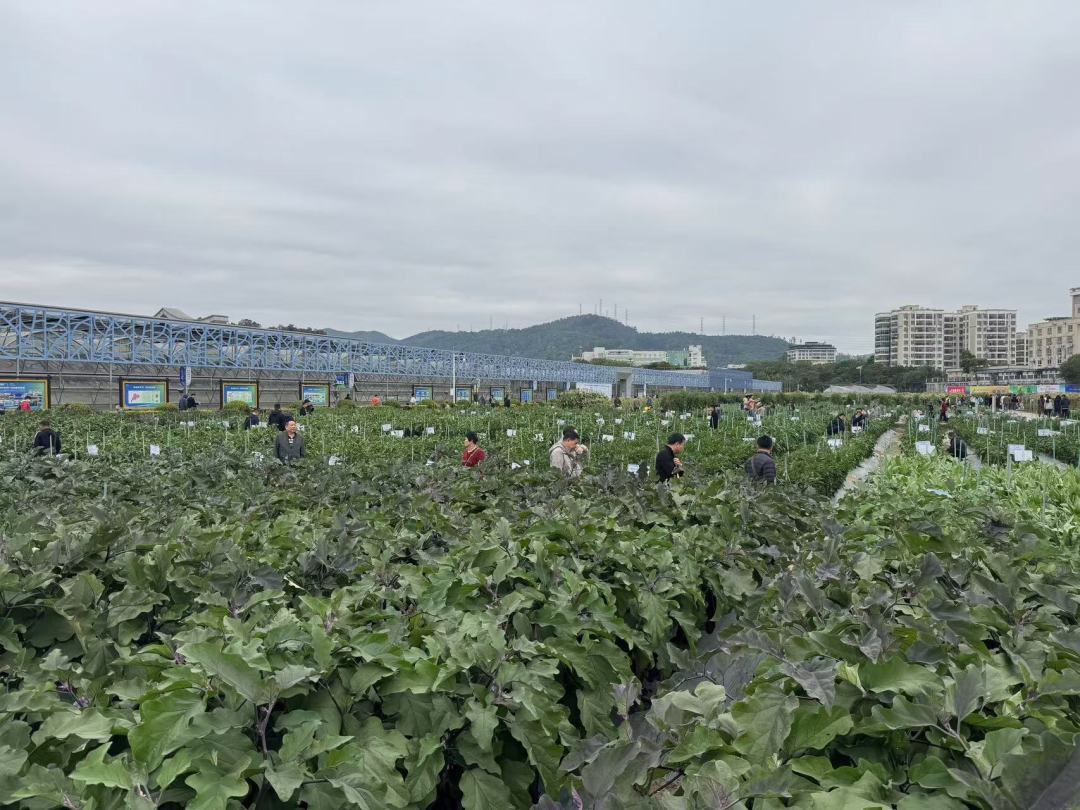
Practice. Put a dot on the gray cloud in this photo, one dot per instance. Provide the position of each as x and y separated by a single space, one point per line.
412 165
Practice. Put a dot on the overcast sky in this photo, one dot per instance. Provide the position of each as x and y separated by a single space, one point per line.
404 166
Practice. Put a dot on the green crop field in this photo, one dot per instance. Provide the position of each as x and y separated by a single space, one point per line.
376 627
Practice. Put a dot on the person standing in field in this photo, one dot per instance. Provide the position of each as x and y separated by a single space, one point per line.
289 445
836 426
761 467
714 417
957 448
473 453
252 419
277 417
668 465
568 456
47 440
24 405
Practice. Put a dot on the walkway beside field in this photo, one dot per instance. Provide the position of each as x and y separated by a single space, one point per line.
888 444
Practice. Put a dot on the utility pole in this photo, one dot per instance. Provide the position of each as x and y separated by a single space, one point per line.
579 308
723 324
753 323
601 307
701 330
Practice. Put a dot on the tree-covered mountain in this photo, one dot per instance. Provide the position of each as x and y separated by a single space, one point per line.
561 339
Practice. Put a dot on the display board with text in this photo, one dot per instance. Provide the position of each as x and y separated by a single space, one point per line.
143 394
246 392
15 390
552 394
498 393
422 392
526 395
316 393
462 394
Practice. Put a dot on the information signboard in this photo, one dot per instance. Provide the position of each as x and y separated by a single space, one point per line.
526 395
422 392
462 394
317 393
498 394
13 390
246 392
552 394
143 394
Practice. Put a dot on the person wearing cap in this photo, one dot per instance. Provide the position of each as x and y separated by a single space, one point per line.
760 467
568 456
668 465
252 419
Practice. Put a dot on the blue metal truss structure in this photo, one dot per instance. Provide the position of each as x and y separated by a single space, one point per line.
39 334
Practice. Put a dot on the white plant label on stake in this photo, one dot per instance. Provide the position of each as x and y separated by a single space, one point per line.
983 431
332 461
835 443
514 465
355 428
665 422
856 429
629 435
398 434
431 462
539 437
258 456
526 462
386 428
91 450
607 437
430 431
560 422
633 468
155 450
301 428
191 423
510 433
618 421
225 423
689 436
749 439
924 428
925 448
794 419
1047 432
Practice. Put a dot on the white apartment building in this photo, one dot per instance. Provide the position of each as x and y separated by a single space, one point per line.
812 352
691 357
988 334
1021 356
1053 341
920 336
910 336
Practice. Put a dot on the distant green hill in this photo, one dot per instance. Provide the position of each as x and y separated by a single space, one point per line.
561 339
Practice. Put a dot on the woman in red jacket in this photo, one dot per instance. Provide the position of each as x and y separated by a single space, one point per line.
473 454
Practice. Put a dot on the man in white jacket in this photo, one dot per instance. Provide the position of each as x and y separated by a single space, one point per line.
569 455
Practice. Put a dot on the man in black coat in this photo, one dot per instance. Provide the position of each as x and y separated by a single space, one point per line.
277 417
668 465
47 440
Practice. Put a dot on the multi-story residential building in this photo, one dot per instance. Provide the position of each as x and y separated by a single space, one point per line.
987 334
812 352
919 336
1020 349
691 357
910 336
1053 341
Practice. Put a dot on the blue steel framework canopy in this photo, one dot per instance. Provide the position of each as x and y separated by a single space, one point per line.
31 333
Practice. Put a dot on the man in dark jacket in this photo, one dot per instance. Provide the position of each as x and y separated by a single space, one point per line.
47 440
252 419
668 465
289 445
760 467
714 417
277 417
837 426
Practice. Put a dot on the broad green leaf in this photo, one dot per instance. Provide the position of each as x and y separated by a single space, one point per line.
483 720
86 725
285 779
896 675
765 721
905 714
163 726
817 677
815 729
967 691
94 770
173 767
292 674
230 668
482 791
11 760
213 790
